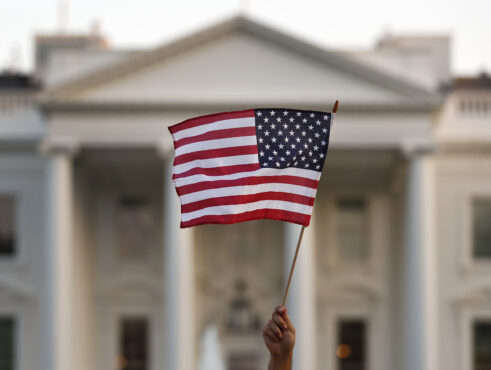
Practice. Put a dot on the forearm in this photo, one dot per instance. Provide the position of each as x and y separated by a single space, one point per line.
280 362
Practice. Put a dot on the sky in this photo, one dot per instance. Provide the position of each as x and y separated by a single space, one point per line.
341 24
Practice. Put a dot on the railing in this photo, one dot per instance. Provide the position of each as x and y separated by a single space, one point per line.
16 102
475 106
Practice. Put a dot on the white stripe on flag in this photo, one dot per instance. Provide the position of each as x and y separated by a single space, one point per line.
216 162
291 171
246 190
218 125
216 144
241 208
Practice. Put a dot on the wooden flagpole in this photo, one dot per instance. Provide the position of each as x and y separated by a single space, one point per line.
292 268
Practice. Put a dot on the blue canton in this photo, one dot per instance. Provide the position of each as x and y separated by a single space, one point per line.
292 138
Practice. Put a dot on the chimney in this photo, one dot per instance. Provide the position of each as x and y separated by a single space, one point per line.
46 46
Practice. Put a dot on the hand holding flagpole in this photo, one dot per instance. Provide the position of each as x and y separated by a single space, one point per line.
292 268
210 148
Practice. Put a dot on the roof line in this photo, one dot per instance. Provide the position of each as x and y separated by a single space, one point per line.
212 106
150 57
337 60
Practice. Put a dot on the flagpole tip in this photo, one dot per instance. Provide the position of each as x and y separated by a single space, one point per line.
336 105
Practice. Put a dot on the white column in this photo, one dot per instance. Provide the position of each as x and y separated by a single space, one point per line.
301 303
419 321
59 262
179 353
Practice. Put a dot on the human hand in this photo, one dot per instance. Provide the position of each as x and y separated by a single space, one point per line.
279 334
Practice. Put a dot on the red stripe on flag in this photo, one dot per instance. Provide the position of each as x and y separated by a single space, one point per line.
218 171
215 153
218 134
246 198
251 180
203 120
273 214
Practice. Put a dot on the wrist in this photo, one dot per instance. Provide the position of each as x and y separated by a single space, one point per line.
282 361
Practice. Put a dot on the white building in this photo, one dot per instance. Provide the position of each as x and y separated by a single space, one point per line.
394 271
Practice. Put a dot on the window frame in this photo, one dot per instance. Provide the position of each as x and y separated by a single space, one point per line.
472 246
107 235
365 339
468 263
378 214
349 311
16 229
22 178
119 334
469 315
18 325
473 346
366 230
117 252
108 328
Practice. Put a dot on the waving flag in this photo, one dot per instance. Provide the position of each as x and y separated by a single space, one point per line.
247 165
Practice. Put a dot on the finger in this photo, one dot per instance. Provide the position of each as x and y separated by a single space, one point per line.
288 321
280 310
269 333
284 314
279 321
275 328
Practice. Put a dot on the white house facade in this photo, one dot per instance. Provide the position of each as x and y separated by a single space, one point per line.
95 274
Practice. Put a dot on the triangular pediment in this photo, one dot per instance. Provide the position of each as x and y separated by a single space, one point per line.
239 61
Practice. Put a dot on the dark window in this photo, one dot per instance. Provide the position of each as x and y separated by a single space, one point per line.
351 229
482 345
136 227
7 225
134 344
7 345
351 348
481 228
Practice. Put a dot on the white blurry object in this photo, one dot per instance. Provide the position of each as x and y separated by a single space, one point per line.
211 355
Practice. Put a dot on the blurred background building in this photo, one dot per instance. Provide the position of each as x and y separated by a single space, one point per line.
394 271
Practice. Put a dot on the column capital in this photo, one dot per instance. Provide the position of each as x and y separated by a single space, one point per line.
67 145
411 149
164 148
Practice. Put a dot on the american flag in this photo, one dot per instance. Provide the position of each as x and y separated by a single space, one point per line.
247 165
